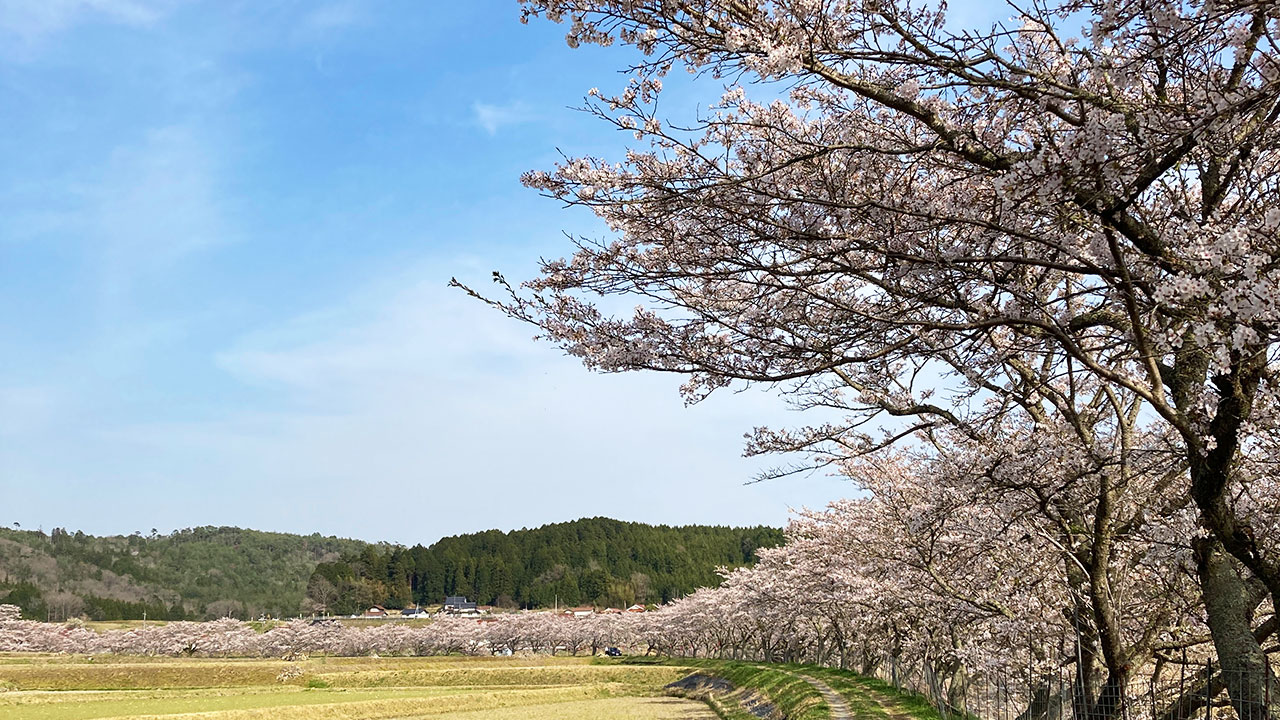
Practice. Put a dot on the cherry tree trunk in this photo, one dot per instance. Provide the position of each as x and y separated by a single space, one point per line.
1246 674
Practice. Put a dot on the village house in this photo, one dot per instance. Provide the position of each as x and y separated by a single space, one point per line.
456 603
377 611
459 606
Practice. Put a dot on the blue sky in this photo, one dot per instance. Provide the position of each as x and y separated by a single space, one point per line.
226 230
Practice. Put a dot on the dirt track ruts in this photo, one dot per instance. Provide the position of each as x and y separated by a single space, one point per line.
839 708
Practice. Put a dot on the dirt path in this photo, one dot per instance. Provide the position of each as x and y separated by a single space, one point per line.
842 710
891 708
839 708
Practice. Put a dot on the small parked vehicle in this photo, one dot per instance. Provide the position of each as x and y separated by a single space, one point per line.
613 652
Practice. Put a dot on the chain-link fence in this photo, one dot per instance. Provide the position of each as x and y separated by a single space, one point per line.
1167 690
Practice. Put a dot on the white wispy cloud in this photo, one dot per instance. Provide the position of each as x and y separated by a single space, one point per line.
29 410
31 20
158 201
329 18
407 411
332 15
428 394
495 117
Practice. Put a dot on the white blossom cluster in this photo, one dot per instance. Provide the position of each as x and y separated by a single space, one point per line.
1039 259
503 633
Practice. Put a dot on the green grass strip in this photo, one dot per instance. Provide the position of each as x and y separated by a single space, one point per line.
794 698
868 698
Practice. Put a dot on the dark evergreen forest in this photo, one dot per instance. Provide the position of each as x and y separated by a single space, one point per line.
209 572
595 561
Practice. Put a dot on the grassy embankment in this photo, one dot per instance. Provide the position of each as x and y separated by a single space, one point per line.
783 686
756 687
81 688
874 698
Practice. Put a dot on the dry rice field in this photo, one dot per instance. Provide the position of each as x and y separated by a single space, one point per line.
514 688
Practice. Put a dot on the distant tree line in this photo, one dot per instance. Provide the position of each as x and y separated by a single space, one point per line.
62 605
596 561
214 572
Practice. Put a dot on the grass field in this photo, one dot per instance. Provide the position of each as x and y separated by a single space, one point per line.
537 688
540 687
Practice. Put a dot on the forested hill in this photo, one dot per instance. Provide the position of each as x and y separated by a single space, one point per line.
193 573
591 561
209 572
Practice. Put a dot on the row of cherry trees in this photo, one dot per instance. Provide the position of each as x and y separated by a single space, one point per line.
1026 274
984 569
507 633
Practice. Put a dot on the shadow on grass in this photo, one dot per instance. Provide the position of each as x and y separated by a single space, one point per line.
793 698
868 698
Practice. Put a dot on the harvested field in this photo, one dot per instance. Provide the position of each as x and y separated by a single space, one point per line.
80 688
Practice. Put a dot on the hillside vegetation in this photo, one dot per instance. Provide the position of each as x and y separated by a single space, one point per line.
210 572
191 573
593 561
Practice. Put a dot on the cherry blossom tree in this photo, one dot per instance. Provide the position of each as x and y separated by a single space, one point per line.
988 553
514 632
948 227
959 585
